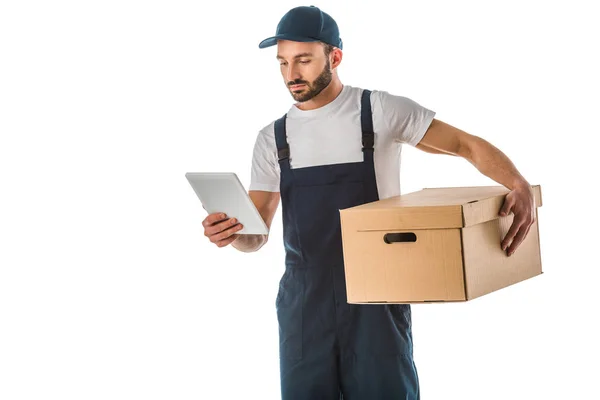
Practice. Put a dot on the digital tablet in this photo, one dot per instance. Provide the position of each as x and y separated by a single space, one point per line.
223 192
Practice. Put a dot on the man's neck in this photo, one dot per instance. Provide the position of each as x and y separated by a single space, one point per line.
327 95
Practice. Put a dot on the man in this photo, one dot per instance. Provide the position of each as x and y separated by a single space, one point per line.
337 147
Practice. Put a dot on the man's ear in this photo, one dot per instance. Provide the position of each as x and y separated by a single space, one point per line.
336 57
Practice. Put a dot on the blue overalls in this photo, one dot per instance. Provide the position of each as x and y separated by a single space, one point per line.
329 349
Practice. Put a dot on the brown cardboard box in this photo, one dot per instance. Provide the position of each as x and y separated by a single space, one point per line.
440 244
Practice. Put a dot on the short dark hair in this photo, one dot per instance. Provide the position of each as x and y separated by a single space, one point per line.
327 48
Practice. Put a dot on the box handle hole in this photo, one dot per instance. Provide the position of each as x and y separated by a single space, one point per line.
390 238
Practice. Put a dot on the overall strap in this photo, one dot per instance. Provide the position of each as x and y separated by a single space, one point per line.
283 149
368 142
366 121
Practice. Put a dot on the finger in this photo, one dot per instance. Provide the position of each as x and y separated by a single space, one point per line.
213 218
521 235
226 233
211 224
514 228
506 206
228 241
221 226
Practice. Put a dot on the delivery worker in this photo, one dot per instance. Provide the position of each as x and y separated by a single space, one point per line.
338 147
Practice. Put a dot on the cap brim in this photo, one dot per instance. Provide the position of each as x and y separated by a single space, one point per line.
272 41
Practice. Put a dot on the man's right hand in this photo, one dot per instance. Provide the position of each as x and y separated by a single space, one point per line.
220 229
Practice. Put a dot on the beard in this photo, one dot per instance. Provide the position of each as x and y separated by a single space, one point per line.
312 88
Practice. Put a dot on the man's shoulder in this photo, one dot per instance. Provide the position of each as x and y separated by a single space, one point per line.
269 129
266 133
383 100
383 94
378 96
354 91
358 90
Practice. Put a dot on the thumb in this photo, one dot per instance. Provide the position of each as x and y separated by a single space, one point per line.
506 206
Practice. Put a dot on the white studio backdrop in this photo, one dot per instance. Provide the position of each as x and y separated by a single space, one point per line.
108 288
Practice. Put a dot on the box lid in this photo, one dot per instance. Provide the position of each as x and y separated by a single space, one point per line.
434 208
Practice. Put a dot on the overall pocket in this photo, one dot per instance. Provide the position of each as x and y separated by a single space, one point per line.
289 305
380 330
403 316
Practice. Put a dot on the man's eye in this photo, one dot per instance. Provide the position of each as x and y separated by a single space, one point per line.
304 61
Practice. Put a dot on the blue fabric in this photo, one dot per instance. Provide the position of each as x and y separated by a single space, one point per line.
306 24
330 349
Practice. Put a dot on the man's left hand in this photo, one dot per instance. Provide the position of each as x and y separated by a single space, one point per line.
520 201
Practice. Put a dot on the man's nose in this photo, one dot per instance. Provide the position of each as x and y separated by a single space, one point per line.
292 74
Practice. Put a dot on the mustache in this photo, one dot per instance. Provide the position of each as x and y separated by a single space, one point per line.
297 82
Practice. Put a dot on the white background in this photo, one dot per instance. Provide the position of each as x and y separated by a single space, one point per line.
108 288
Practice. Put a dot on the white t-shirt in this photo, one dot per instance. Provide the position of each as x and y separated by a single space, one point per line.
332 134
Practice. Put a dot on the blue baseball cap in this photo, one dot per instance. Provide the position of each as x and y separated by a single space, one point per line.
305 24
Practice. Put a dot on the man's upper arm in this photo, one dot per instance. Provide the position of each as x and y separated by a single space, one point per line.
265 172
264 180
444 138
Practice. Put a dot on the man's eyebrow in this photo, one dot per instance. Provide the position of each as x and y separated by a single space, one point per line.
297 55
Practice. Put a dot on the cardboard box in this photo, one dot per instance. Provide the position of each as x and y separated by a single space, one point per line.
434 245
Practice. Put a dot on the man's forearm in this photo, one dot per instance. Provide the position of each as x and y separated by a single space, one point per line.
491 162
249 243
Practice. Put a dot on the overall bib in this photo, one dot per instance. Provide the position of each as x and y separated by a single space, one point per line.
329 349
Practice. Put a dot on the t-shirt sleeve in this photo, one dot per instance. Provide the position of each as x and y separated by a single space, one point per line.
264 173
406 120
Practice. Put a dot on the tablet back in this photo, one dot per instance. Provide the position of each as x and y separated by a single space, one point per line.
223 192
